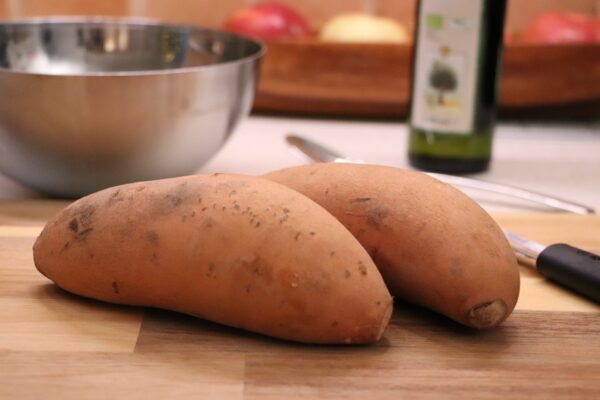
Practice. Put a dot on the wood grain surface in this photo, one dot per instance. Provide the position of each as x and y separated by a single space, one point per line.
60 346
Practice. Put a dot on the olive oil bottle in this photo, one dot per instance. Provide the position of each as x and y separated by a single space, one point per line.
458 45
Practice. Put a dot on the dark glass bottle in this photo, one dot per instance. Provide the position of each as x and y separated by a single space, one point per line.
458 45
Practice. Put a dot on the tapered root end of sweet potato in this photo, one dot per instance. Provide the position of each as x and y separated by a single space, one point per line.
386 319
488 314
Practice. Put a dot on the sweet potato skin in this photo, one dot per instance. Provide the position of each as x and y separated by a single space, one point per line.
240 251
433 245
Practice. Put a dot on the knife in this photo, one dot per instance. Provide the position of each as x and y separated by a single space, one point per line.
569 266
319 153
566 265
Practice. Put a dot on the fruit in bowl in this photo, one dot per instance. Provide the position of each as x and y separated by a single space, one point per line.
269 21
561 28
363 28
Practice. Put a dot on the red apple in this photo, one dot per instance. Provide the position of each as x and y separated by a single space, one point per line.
562 27
268 21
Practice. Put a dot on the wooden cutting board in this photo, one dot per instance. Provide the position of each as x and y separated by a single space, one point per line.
59 346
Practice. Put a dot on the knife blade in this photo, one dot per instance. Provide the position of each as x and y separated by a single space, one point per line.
573 268
319 153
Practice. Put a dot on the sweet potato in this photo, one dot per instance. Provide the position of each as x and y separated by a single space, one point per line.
433 245
241 251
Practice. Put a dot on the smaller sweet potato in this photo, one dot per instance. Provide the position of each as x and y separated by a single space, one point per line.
433 245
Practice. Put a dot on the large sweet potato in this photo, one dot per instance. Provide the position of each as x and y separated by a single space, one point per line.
241 251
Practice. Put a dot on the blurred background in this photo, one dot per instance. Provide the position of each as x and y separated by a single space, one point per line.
542 77
213 13
317 67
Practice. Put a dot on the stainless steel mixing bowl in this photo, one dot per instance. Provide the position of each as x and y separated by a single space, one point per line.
87 104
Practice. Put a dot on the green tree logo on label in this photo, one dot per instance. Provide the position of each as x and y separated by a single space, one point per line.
443 79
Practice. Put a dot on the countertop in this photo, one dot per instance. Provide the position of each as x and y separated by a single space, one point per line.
60 346
559 159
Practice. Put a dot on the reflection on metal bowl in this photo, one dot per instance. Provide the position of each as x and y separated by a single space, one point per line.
88 104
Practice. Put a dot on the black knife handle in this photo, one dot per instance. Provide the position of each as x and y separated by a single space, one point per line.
571 267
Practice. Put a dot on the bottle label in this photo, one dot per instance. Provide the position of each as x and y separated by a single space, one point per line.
446 65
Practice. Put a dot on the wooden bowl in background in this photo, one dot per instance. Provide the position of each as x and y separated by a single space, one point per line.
311 77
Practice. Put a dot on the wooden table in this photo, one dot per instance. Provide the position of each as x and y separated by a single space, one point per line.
59 346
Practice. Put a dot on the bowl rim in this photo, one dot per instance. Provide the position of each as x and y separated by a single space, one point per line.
134 22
